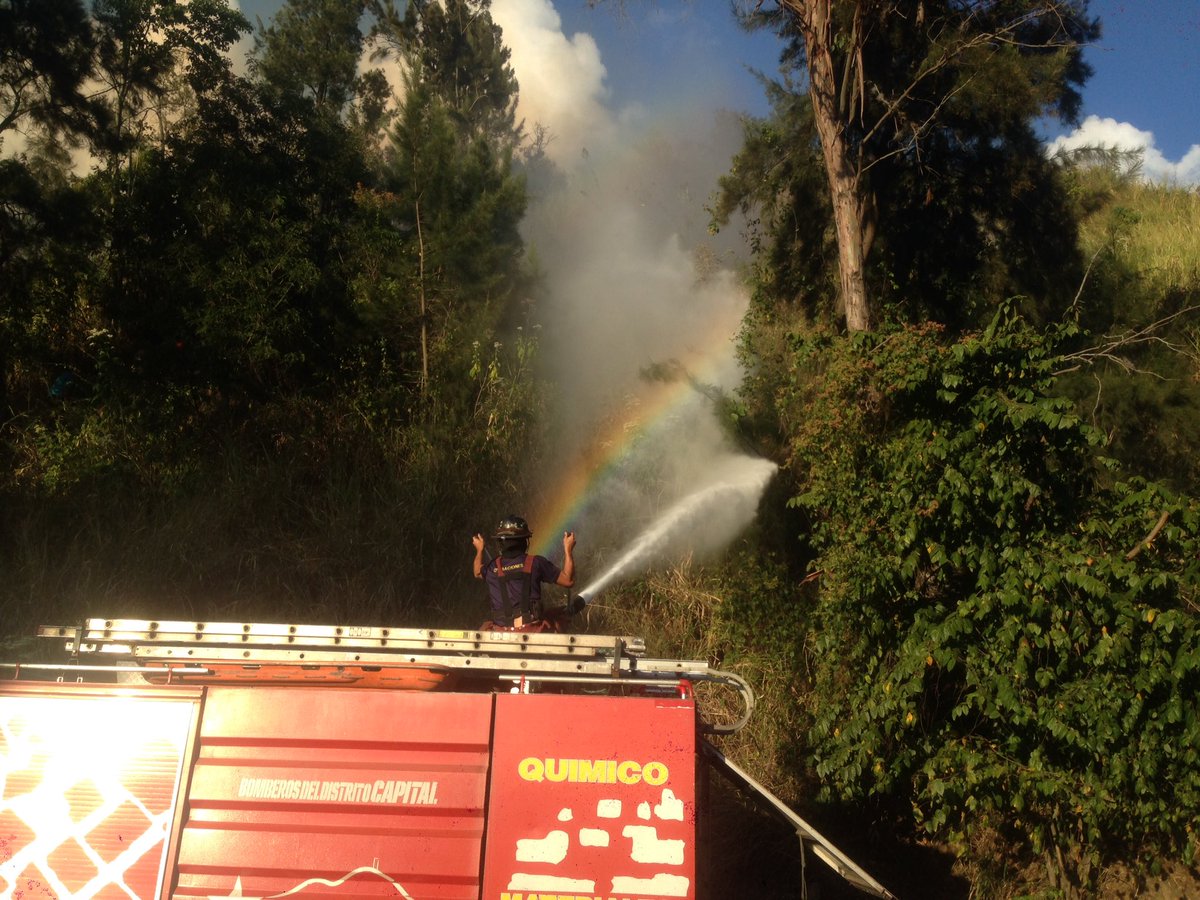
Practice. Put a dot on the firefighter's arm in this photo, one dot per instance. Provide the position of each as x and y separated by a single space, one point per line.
566 578
479 545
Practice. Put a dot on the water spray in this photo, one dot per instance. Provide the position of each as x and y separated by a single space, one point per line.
739 492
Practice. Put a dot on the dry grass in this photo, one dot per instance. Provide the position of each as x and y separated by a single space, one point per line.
1153 231
676 609
1167 239
252 545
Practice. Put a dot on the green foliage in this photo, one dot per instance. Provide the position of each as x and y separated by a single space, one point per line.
459 50
45 54
1139 383
507 408
470 201
151 58
311 49
1003 642
215 391
221 278
446 254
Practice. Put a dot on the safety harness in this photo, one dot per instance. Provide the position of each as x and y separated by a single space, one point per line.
507 571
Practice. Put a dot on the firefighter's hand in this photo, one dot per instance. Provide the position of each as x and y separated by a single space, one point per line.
568 541
477 540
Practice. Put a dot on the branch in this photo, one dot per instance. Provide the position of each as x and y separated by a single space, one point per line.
950 53
1074 307
1110 350
1148 539
918 129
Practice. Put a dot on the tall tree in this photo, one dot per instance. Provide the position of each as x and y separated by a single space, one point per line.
153 56
46 51
451 198
157 61
887 81
462 57
312 49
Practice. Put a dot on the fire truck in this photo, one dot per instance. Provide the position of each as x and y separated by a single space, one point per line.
183 760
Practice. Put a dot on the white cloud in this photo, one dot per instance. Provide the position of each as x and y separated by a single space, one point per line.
561 79
1111 134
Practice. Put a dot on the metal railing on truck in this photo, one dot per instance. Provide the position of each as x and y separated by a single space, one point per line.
405 658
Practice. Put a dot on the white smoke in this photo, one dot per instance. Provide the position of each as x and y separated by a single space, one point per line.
633 280
1111 134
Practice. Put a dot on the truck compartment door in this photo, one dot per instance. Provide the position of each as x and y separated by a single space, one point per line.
89 786
336 792
591 796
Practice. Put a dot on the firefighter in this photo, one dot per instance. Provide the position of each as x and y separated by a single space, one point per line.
514 578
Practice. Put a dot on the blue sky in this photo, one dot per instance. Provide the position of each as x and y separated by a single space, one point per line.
1144 91
1147 69
669 58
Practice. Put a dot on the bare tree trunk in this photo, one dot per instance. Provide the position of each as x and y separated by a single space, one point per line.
814 17
424 317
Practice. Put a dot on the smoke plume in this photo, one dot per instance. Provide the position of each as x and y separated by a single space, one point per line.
634 284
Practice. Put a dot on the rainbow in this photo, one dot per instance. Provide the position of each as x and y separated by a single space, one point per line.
575 488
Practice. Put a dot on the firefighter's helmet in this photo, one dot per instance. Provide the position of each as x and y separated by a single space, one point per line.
512 527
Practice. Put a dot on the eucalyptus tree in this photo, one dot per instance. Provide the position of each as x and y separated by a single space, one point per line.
921 115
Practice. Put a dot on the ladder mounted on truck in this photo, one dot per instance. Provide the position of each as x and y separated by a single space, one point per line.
399 658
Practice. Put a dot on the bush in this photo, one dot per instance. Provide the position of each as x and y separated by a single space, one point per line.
1005 643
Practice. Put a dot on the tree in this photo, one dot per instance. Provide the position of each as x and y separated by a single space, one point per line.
245 286
778 183
461 54
46 55
446 241
46 51
312 49
152 58
1007 643
889 82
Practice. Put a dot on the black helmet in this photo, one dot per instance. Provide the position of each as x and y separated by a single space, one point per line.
512 527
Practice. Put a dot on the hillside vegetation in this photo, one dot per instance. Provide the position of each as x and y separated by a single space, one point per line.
276 357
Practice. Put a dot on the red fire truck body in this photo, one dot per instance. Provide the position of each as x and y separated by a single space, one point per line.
280 788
